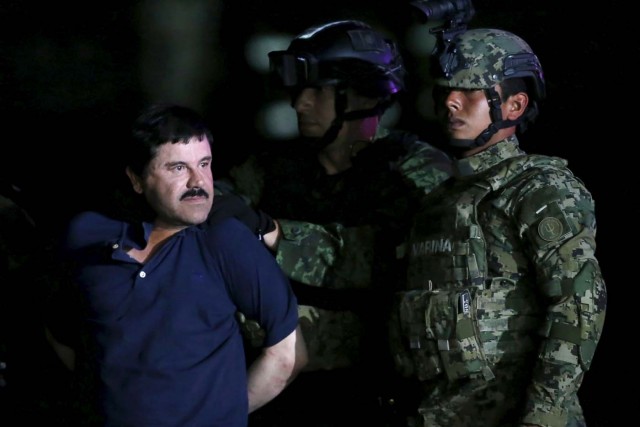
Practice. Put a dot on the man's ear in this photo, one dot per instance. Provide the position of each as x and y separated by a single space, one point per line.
517 105
136 181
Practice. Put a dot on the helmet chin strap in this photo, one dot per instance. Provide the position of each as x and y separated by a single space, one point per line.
340 105
460 146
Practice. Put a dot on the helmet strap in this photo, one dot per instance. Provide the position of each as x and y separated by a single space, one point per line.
459 146
340 105
495 112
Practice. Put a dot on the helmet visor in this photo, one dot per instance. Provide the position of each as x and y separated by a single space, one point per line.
293 69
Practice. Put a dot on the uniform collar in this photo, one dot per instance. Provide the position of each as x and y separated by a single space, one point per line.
486 159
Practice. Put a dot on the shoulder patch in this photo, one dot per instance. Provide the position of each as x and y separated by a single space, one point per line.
550 229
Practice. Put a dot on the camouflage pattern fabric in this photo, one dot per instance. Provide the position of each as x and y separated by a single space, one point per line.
525 249
481 404
333 226
484 52
334 338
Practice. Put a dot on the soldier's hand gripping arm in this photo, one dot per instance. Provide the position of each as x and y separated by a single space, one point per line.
232 205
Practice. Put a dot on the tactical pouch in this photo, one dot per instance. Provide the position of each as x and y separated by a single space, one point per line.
418 355
441 333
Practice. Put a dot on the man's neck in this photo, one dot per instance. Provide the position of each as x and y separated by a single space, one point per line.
353 137
157 237
497 137
335 158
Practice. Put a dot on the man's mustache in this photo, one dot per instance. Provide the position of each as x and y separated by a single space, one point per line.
194 192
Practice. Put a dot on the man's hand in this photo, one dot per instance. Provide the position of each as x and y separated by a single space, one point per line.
231 205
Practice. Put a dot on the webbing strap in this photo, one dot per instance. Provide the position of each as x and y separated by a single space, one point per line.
562 331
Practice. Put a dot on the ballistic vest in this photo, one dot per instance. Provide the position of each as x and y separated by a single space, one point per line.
455 317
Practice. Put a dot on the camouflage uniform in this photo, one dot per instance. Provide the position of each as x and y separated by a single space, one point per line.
505 302
332 225
339 231
339 236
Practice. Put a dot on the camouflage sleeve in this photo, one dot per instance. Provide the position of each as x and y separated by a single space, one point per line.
330 255
338 256
557 218
246 179
425 167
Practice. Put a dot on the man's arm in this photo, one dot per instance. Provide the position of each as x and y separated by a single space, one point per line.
66 354
272 238
275 368
559 222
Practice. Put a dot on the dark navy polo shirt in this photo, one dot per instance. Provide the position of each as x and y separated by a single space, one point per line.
170 352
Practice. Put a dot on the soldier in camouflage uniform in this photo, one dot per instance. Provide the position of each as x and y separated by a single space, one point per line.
347 182
505 302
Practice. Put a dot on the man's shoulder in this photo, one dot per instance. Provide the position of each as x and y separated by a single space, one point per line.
85 219
422 162
546 162
428 151
88 228
226 235
276 153
550 171
416 146
535 169
400 145
546 180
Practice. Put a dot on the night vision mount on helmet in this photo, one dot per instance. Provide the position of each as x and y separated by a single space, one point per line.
481 59
454 15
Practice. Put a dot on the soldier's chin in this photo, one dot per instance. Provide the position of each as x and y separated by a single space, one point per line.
310 131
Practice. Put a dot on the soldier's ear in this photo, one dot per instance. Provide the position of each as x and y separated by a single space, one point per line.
516 105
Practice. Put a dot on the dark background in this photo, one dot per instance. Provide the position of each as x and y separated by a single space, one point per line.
73 77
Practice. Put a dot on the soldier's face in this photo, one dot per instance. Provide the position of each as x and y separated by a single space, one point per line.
464 112
315 110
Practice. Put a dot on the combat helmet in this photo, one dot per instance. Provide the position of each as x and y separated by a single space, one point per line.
345 54
482 58
341 52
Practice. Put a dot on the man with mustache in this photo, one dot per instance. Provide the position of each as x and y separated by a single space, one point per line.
160 298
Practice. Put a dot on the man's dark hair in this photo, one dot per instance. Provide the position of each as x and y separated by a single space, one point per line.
160 124
512 86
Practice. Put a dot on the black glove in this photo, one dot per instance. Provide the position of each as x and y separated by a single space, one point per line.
231 205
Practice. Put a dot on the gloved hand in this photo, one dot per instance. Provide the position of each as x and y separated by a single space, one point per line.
231 205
